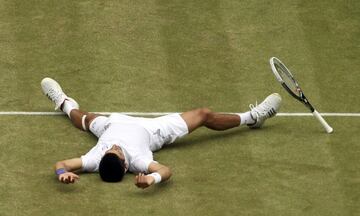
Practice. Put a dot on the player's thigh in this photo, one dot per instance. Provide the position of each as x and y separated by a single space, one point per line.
90 117
164 130
98 125
196 118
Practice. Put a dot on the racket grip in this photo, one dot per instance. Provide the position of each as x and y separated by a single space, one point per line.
323 122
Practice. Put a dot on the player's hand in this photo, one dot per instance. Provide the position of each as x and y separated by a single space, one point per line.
143 181
68 177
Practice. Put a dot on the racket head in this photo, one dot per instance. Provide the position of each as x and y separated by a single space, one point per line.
287 80
285 77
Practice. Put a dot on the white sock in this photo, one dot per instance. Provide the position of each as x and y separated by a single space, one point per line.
67 107
246 118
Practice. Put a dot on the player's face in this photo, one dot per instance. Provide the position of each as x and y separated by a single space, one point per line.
115 149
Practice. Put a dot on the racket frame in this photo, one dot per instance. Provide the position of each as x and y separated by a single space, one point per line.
301 97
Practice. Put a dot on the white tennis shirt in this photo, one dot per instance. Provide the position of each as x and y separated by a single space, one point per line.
133 139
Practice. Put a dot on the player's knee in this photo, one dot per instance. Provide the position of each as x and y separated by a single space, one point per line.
205 113
89 118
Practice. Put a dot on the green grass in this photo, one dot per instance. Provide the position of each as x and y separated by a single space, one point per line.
169 56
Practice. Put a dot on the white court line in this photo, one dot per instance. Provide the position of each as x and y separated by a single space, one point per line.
166 113
322 114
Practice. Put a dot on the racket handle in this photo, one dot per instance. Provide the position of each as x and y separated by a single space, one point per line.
323 122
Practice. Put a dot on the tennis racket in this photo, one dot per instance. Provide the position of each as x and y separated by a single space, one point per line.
287 80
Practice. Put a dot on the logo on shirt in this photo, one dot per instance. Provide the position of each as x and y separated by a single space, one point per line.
107 126
165 139
158 133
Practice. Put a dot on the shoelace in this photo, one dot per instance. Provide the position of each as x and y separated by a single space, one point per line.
53 95
251 106
263 109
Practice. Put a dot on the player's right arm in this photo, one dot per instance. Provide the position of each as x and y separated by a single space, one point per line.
65 170
158 170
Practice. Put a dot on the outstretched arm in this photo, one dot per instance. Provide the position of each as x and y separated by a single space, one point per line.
158 173
65 170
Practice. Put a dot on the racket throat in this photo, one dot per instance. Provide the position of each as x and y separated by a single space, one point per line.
308 105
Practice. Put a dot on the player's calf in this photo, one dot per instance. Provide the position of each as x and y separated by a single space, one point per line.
205 117
220 121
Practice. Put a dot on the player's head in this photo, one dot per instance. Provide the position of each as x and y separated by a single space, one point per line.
112 166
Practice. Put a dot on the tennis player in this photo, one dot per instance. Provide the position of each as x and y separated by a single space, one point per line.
126 144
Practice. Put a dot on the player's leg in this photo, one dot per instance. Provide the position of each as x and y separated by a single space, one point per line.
254 118
81 119
84 120
212 120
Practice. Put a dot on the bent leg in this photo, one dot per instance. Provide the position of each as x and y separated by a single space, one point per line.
82 119
205 117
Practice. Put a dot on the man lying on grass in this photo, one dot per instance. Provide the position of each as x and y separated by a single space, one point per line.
127 143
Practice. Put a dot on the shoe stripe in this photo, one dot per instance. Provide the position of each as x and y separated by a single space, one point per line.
271 112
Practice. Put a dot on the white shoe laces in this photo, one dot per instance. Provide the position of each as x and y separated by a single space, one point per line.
54 95
263 109
252 106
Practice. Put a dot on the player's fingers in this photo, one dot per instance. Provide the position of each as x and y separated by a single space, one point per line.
142 176
74 177
63 179
137 183
139 179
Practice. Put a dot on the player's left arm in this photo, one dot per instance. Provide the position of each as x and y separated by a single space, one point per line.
158 173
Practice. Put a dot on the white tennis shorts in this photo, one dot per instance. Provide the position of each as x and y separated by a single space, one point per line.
163 130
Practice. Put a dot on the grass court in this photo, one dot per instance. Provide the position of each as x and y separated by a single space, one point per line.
173 56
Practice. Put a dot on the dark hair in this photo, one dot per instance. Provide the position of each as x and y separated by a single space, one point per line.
111 168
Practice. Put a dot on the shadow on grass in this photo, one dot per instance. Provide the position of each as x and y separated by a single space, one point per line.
154 190
66 188
78 186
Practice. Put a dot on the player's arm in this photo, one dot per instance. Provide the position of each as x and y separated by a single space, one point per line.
158 173
65 170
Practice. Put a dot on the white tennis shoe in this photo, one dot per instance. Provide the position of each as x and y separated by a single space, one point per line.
267 109
53 91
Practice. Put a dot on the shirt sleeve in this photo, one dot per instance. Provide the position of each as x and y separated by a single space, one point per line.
140 165
88 165
91 160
